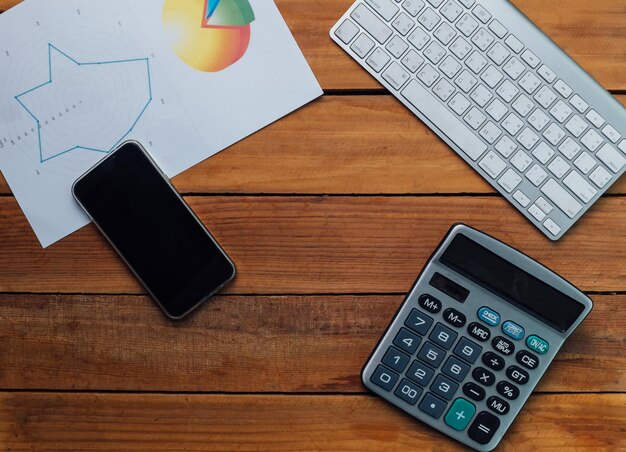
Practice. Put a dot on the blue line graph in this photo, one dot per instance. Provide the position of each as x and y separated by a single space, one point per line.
108 149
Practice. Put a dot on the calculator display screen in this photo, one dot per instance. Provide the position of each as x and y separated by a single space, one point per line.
509 281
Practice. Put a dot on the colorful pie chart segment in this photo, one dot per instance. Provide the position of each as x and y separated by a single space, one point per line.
208 35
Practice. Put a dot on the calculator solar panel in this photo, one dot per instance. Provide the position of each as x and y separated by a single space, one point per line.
472 339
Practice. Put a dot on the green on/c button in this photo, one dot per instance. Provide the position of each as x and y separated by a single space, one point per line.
537 344
460 414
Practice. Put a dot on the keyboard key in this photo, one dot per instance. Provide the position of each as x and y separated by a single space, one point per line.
490 132
481 95
595 118
506 146
483 376
563 88
378 59
543 152
467 25
493 361
514 68
527 359
554 134
520 197
431 355
460 414
507 91
418 322
467 350
451 10
600 177
527 138
395 359
576 125
537 213
537 344
413 7
569 148
497 405
455 369
450 67
512 124
578 103
445 33
476 62
429 19
518 375
454 317
592 140
491 76
459 104
585 163
443 89
544 205
419 38
467 3
465 81
482 14
371 23
545 97
475 118
346 31
503 345
536 175
531 59
362 45
611 133
460 48
523 105
444 387
529 82
428 75
558 167
395 75
538 119
492 164
478 331
510 180
420 373
552 227
508 390
407 341
559 196
385 8
611 158
408 392
432 406
473 391
403 24
546 73
484 427
412 60
560 111
444 119
384 378
429 303
443 336
622 146
483 39
497 110
397 46
514 44
499 29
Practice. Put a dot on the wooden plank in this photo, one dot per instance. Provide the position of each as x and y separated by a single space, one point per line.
49 421
322 244
245 344
591 32
331 147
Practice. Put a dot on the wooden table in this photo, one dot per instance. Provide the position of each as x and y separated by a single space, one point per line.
329 215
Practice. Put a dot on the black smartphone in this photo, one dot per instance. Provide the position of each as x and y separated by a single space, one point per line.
153 229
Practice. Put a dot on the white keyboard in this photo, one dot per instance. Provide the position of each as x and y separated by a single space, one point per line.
507 99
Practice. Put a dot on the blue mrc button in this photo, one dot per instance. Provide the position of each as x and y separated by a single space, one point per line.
489 316
513 330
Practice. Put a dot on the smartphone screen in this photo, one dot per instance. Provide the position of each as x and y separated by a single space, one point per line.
153 229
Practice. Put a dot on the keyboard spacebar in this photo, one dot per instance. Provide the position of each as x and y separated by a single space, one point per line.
444 120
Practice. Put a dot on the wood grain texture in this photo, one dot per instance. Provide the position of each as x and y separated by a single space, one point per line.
48 421
323 244
330 147
591 32
246 344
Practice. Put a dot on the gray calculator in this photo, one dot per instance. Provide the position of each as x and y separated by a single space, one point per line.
472 339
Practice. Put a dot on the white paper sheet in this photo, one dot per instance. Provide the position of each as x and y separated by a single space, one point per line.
78 77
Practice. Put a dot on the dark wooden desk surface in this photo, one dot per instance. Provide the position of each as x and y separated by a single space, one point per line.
329 215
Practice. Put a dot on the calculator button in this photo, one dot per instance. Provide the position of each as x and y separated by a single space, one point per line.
454 317
432 406
527 359
408 392
484 427
493 361
517 374
460 414
418 322
384 378
508 390
444 387
473 391
467 350
455 368
443 336
483 376
503 345
537 344
497 405
395 359
477 331
420 373
513 330
489 316
431 355
430 303
407 341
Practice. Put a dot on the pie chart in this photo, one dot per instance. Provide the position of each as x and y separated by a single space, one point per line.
208 35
